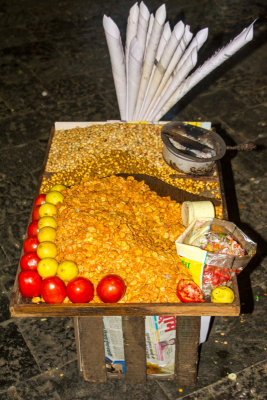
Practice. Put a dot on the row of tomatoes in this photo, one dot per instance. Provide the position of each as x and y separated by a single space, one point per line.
79 290
52 289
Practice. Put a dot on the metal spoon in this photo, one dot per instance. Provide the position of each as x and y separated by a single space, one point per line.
188 136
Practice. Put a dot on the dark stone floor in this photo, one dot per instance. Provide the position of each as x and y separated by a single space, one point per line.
55 67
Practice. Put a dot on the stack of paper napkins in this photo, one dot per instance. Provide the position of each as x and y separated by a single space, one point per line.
152 73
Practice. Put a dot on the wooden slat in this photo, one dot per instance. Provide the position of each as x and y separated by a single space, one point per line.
140 309
134 349
21 307
222 190
90 338
77 341
186 354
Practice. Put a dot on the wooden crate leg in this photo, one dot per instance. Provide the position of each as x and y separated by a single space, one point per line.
134 349
186 355
89 335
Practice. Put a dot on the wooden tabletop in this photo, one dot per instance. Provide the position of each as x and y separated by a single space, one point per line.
23 307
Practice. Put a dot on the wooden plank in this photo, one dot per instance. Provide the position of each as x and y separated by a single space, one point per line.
91 348
77 341
28 309
134 349
186 354
222 190
130 309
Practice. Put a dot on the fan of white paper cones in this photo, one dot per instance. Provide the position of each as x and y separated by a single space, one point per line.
153 72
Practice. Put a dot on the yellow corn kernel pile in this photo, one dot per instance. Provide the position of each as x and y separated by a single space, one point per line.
111 148
113 225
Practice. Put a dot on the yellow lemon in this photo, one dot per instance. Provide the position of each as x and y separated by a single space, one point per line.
58 187
47 249
67 270
54 197
47 210
222 294
47 234
47 267
47 221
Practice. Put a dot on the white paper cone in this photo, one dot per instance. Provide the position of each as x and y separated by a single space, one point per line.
166 80
149 30
134 74
131 29
165 37
187 36
117 59
163 64
187 66
130 34
142 27
150 56
197 43
138 45
166 34
217 59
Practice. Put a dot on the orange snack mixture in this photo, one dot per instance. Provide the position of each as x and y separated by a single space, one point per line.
113 225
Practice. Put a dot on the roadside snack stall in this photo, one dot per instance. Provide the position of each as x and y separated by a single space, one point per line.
129 233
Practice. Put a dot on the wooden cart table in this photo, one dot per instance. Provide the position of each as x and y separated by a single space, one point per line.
88 318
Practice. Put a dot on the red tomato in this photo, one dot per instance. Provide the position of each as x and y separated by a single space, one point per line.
35 213
33 228
80 290
30 283
30 244
53 290
189 292
29 261
111 288
39 200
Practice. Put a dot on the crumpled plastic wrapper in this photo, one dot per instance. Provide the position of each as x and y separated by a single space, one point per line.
216 243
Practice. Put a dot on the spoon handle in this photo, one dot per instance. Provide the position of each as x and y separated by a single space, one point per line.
243 147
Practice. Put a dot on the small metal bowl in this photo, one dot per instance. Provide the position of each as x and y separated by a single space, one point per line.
190 164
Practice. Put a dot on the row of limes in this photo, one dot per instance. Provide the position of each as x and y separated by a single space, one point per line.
47 250
41 274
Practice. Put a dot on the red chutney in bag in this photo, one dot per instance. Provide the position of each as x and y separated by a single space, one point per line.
214 250
214 276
